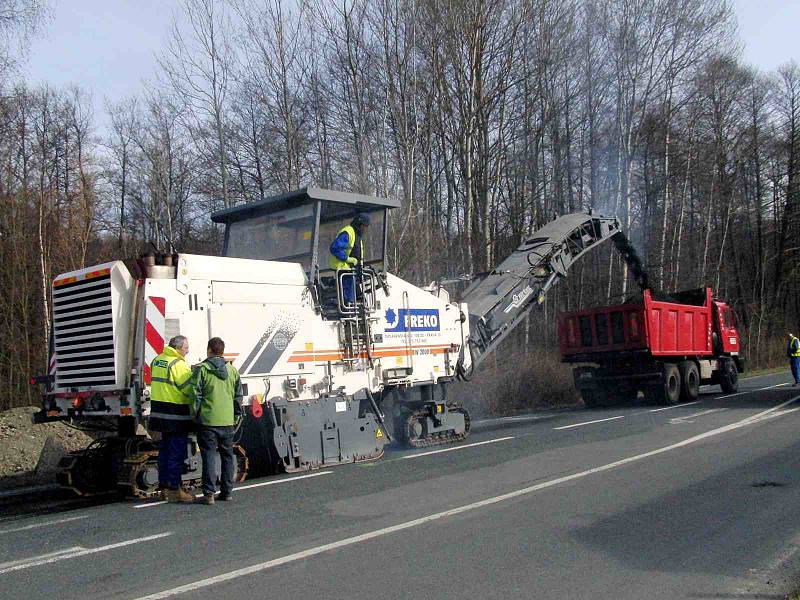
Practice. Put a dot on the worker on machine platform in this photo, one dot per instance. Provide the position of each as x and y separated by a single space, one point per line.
347 251
171 414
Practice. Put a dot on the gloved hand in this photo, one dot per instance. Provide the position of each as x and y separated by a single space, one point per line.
352 261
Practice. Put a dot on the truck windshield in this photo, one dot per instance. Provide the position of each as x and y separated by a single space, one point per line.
284 235
728 318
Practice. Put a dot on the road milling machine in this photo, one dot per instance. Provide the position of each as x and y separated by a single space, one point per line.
316 367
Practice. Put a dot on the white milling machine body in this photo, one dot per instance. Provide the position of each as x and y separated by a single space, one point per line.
314 368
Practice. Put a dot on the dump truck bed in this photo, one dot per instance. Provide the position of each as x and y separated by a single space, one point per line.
659 327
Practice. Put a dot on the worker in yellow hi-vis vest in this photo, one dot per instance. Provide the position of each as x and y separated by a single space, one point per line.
347 251
793 352
171 413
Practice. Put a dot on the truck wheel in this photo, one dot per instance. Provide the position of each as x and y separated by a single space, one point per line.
728 376
690 379
672 385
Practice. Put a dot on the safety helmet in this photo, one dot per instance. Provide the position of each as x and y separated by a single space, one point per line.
361 220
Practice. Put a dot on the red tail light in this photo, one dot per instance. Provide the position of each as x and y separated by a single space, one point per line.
255 406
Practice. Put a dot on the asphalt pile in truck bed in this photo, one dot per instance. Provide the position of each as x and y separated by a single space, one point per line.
28 452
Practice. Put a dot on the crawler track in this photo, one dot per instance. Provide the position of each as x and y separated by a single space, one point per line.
417 439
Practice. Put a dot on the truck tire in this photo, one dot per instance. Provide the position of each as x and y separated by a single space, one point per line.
672 384
728 376
690 381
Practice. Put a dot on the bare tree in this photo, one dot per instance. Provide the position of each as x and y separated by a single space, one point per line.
19 21
196 64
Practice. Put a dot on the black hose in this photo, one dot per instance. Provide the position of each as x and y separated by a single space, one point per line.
462 373
378 413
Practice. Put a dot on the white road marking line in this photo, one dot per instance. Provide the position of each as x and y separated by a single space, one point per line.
273 482
245 487
75 552
685 419
675 406
257 568
779 413
14 563
45 524
502 439
732 395
517 418
149 504
769 387
588 423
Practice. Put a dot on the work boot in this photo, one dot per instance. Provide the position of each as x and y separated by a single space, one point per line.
180 495
208 500
224 496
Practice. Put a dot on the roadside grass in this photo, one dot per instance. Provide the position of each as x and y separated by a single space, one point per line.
761 372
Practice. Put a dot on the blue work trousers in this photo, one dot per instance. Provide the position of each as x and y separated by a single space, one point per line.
172 455
795 362
217 442
349 289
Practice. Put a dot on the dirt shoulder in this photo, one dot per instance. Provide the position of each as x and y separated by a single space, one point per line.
30 452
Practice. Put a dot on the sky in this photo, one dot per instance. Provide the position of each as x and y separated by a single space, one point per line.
768 29
109 46
106 46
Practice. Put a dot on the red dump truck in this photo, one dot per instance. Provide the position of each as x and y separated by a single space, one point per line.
666 346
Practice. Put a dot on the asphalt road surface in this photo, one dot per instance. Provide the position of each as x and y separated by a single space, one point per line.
699 500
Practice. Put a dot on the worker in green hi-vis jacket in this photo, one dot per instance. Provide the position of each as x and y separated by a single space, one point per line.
218 393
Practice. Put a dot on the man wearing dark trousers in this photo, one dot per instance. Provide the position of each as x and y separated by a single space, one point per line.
793 352
171 414
218 393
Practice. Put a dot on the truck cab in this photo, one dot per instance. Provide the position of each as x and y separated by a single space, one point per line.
725 335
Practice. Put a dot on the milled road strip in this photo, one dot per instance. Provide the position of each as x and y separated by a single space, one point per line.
502 439
245 487
204 583
74 552
45 524
588 422
26 491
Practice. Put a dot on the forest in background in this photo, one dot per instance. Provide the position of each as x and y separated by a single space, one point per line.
486 118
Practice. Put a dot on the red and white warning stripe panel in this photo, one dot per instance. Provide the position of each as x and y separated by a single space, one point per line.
53 362
154 326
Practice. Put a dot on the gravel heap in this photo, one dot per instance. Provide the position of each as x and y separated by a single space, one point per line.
28 452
